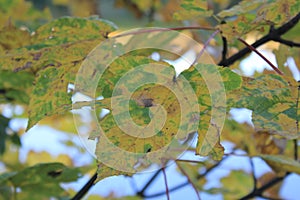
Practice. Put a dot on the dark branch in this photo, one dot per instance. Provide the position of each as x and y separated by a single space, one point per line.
141 193
225 48
85 188
274 35
287 42
259 191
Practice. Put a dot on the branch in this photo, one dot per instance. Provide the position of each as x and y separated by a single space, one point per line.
274 34
259 191
262 56
141 193
225 48
287 42
85 188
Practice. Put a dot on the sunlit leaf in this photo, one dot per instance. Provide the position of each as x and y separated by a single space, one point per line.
273 101
231 81
54 56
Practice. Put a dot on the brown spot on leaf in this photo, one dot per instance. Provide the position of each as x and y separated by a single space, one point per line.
147 102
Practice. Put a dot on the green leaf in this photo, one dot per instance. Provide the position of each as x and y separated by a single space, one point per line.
232 187
192 9
243 7
22 13
273 100
69 30
56 52
208 130
10 83
4 122
282 163
12 37
278 12
44 178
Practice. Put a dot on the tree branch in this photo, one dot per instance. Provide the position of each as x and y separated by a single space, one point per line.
274 35
85 188
259 191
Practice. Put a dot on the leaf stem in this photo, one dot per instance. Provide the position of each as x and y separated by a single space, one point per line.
262 56
205 45
164 29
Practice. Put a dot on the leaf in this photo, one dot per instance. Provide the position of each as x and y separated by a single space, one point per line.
273 101
191 9
105 171
22 13
208 129
279 12
143 130
12 37
232 187
71 29
44 178
280 163
13 90
4 122
243 7
151 122
59 48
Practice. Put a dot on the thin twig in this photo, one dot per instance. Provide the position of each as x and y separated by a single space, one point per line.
164 29
297 124
181 185
141 193
253 173
166 182
189 180
262 56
